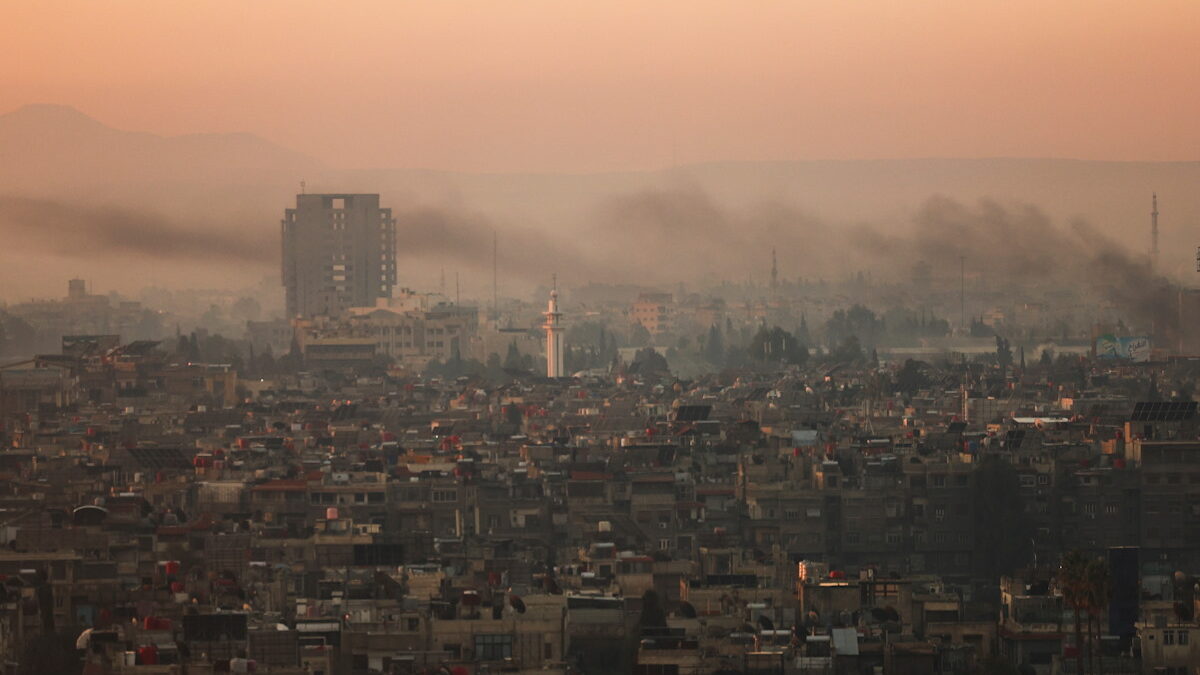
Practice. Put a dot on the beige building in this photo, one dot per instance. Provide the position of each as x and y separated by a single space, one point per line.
653 311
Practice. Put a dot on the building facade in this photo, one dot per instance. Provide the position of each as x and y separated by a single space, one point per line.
339 251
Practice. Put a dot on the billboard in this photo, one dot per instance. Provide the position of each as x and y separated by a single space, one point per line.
1136 349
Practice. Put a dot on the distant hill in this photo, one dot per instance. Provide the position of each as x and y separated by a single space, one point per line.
241 181
49 149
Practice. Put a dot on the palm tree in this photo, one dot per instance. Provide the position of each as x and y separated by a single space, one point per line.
1098 587
1072 583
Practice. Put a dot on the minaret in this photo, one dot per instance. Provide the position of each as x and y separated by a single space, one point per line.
1154 231
554 336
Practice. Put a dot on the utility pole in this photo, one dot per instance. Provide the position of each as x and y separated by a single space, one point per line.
1154 232
495 278
962 293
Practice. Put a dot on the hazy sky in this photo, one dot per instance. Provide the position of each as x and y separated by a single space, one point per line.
567 85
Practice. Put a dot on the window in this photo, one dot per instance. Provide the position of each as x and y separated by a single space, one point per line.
939 513
412 625
664 544
1183 638
1111 509
1043 479
445 495
1168 637
852 538
918 510
893 538
493 647
938 480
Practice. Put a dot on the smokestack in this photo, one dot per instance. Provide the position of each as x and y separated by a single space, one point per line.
1154 232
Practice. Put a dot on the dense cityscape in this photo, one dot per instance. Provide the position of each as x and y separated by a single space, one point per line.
563 337
788 476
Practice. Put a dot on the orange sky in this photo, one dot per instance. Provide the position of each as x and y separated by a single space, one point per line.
552 85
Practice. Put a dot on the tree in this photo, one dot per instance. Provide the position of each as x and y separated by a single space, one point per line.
512 360
1098 591
193 353
802 334
849 350
858 321
266 362
1072 583
1004 355
647 361
776 345
980 329
639 336
714 346
912 377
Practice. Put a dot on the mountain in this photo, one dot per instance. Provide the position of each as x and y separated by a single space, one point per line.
47 149
236 184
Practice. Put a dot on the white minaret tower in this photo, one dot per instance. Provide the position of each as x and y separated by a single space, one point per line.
554 336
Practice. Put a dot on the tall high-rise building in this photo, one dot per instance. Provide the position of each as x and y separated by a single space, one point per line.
339 251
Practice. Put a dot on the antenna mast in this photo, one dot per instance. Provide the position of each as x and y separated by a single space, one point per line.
962 292
495 277
1154 231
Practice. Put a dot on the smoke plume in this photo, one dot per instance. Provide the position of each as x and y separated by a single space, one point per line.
68 230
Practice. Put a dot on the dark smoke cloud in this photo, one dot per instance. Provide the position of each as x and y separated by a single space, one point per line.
651 237
680 233
49 227
1019 246
464 239
654 237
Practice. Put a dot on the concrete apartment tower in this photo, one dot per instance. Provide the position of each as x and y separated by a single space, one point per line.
339 251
